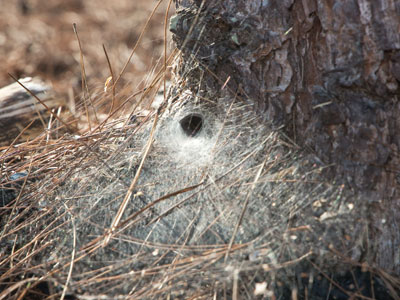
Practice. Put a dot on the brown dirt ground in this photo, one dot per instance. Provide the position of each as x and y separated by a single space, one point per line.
37 39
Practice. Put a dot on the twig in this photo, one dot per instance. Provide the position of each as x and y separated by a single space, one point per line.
112 79
72 254
85 87
246 202
128 195
138 41
165 45
40 101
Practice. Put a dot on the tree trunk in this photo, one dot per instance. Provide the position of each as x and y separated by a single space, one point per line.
328 72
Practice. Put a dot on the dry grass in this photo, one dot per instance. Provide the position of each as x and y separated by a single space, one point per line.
37 39
32 264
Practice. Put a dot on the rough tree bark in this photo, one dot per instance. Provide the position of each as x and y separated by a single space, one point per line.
328 71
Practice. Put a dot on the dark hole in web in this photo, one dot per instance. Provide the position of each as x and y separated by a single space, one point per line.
192 124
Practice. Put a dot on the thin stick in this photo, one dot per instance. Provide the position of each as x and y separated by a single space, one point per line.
40 101
72 255
128 195
206 186
181 191
112 79
165 46
138 41
14 141
153 83
49 128
14 208
17 285
246 202
85 87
